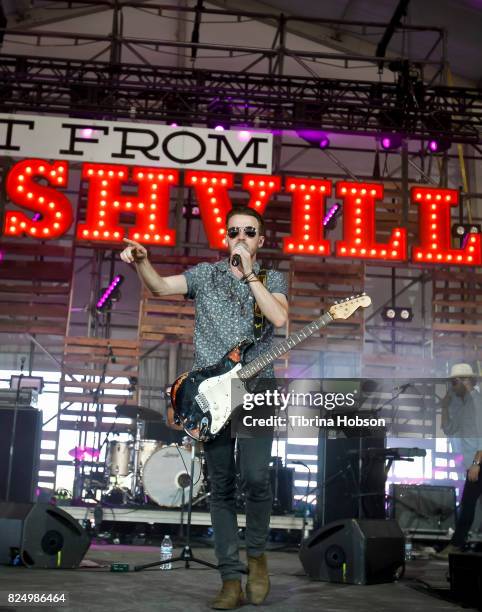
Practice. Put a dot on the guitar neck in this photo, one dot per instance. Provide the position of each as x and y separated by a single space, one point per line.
258 364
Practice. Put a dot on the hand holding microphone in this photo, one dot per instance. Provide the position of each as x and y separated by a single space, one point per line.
240 257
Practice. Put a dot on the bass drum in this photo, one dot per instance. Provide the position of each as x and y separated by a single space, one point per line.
167 472
146 448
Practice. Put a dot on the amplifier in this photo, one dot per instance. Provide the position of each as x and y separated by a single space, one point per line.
427 508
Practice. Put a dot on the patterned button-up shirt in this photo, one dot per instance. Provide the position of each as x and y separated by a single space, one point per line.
224 308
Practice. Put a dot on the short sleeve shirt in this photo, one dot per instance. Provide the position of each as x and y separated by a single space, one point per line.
224 312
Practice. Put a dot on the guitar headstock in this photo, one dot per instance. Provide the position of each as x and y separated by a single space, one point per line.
345 308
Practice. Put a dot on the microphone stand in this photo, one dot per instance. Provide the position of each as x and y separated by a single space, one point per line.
186 554
13 434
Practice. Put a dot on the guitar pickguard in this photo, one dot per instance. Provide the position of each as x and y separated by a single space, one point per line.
215 394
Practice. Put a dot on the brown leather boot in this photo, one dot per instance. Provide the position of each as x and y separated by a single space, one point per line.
257 587
229 597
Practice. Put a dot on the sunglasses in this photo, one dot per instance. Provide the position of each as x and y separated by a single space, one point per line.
249 231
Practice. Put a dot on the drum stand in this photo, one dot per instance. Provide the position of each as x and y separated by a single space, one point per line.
186 555
135 468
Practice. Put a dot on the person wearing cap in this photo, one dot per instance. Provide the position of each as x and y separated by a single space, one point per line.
462 421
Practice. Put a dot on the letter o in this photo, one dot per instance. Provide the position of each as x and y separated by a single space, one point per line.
179 160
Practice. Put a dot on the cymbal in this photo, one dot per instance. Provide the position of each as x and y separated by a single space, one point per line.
79 453
137 412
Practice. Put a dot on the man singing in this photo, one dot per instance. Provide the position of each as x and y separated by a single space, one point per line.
225 296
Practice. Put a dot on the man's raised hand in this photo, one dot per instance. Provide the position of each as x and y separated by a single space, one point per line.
134 252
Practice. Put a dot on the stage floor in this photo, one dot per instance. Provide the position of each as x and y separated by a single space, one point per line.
97 589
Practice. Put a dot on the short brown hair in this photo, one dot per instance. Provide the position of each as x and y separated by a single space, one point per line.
245 210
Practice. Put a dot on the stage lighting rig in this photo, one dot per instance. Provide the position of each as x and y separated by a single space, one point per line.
110 294
330 219
438 126
390 142
397 314
314 138
459 230
219 114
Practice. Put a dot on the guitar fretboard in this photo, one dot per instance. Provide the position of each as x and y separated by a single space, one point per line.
258 364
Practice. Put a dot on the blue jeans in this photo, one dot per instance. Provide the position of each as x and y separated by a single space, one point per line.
253 460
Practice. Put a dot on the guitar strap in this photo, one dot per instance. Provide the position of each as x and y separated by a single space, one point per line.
259 318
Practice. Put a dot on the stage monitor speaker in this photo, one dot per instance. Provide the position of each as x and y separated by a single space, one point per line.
425 508
43 535
465 576
26 452
351 478
355 551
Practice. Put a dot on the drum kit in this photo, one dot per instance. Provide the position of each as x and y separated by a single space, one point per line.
145 470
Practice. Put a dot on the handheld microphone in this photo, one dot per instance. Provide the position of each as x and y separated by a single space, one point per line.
235 260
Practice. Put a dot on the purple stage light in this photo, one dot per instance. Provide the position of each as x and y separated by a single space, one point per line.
324 142
219 128
36 217
244 135
391 141
115 283
87 132
314 137
386 142
330 214
433 145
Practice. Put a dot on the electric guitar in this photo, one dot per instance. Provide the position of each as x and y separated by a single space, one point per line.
201 399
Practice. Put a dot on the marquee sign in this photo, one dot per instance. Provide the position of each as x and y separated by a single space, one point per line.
119 142
35 186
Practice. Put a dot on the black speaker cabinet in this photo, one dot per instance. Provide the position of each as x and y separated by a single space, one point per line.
465 575
26 452
356 551
43 535
351 478
425 508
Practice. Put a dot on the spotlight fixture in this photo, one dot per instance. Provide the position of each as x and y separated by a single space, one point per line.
219 113
439 145
397 313
190 212
314 138
390 141
460 230
176 110
329 221
438 125
111 293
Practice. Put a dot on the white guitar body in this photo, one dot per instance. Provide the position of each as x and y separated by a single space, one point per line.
215 397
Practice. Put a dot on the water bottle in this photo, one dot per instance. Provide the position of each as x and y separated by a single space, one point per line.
408 548
166 553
